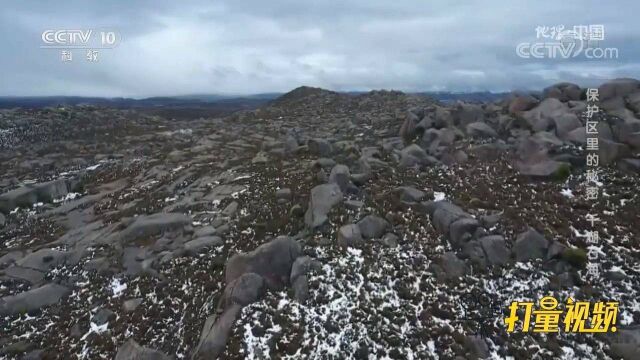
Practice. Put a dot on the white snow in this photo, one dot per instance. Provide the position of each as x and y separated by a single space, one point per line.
567 192
117 287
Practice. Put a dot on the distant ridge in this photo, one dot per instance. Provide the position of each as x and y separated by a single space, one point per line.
204 101
185 101
302 92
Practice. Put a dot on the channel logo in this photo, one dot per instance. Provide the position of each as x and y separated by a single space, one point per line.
79 38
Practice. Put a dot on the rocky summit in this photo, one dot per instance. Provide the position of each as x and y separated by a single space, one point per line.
321 225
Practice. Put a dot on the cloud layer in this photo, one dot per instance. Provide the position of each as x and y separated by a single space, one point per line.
245 47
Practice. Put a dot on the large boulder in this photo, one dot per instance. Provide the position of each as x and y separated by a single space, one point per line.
495 249
563 91
627 132
633 102
323 198
448 267
414 155
33 299
215 332
248 276
272 261
481 130
244 290
476 347
625 343
577 136
610 151
617 88
432 137
50 190
468 113
543 169
392 143
31 276
613 96
320 147
341 176
461 230
473 251
408 128
564 123
443 117
541 118
43 259
445 214
372 226
299 280
202 243
408 194
522 103
150 225
28 195
630 166
530 245
349 236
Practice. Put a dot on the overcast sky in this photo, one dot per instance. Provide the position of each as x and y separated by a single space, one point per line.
256 46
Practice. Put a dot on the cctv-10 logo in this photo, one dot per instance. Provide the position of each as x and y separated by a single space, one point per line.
80 39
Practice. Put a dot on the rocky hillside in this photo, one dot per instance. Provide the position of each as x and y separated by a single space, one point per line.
322 226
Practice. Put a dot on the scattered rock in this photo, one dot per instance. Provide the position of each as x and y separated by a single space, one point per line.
461 230
563 92
323 198
481 130
131 305
445 214
390 240
198 245
349 235
244 290
284 194
150 225
103 316
610 151
409 194
320 147
215 332
43 259
353 204
372 226
272 261
414 155
204 231
450 267
522 103
231 209
545 169
296 211
341 176
495 249
131 350
530 245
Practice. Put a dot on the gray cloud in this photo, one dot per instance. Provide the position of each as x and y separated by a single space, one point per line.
241 47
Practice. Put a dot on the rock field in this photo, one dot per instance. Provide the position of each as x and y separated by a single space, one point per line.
322 226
